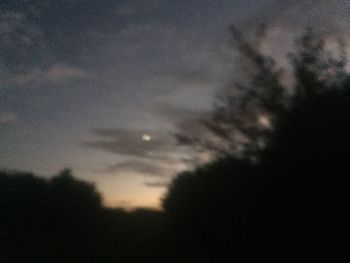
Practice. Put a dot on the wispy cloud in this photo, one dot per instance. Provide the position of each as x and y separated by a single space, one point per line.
54 75
164 155
7 117
16 29
139 166
61 73
137 7
129 142
157 183
328 17
159 157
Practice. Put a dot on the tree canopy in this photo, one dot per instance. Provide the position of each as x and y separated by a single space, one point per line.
246 114
292 205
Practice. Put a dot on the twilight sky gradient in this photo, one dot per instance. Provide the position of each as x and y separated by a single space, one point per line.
81 81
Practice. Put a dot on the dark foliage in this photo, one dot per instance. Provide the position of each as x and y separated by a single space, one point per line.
247 111
61 220
293 206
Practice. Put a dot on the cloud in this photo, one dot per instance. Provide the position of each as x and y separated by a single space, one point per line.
7 117
60 73
54 75
34 52
163 145
330 17
137 7
137 166
129 142
165 155
159 157
175 113
157 183
287 20
16 29
163 50
188 127
158 172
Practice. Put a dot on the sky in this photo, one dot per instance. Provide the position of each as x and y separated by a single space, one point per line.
102 86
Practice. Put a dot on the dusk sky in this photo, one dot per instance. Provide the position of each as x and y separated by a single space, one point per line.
101 86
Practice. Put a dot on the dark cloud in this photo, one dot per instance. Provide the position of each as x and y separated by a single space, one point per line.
328 17
157 184
53 76
159 172
175 113
7 117
161 156
17 29
130 142
167 153
130 9
20 41
139 166
188 124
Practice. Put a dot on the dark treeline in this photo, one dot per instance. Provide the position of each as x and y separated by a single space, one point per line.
62 220
292 206
284 198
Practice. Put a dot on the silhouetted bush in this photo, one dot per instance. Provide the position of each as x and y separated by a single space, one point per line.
62 220
206 210
292 202
292 206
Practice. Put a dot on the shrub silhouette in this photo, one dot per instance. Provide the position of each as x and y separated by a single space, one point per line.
307 166
293 206
206 210
47 220
62 220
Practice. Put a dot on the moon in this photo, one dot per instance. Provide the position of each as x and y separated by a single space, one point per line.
146 137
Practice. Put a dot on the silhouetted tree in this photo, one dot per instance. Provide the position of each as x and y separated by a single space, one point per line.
61 219
292 205
246 114
206 211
